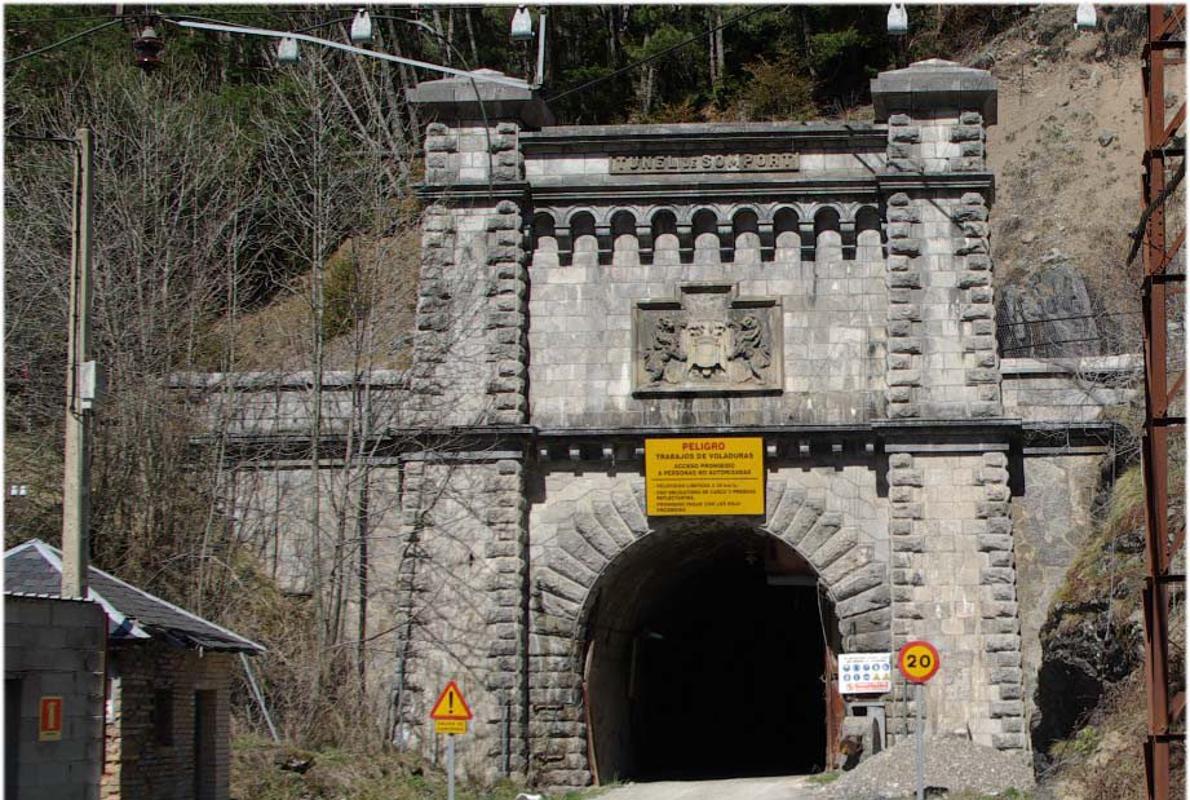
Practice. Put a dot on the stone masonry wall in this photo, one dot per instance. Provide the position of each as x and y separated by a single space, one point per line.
936 140
961 376
56 648
138 764
583 352
459 606
954 584
942 360
473 271
905 365
590 524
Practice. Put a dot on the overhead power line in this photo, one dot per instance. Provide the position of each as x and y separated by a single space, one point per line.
16 23
62 42
1041 320
21 137
662 54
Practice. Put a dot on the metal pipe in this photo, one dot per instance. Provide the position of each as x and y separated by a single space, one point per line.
540 81
210 26
919 701
256 694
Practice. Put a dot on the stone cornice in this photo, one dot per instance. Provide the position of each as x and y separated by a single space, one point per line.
695 189
889 182
472 193
664 188
673 138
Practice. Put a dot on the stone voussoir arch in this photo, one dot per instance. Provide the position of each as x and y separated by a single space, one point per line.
609 524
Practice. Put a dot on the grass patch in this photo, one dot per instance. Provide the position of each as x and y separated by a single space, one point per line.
823 778
338 773
1082 745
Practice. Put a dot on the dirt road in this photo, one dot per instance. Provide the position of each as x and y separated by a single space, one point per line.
796 787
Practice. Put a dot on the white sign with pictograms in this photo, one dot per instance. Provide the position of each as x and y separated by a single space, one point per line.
865 673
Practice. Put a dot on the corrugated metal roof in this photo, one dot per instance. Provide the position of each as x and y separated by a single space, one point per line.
36 568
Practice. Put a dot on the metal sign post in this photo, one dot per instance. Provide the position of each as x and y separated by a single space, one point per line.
919 699
918 662
451 715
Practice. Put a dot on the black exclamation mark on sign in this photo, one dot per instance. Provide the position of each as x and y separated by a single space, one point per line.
450 702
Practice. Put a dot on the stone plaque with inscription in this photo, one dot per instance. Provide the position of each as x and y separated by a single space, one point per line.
707 162
707 340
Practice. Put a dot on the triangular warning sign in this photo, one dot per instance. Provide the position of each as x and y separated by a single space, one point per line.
451 704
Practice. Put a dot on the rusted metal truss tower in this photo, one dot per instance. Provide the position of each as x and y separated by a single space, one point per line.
1163 288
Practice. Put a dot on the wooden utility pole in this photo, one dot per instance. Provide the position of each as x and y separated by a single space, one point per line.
76 489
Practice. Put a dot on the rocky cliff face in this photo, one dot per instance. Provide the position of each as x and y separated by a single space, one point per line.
1093 636
1049 314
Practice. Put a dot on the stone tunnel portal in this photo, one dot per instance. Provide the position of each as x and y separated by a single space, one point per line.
705 657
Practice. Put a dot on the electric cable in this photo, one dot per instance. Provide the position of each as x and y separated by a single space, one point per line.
655 56
1047 342
19 22
62 42
20 137
1064 319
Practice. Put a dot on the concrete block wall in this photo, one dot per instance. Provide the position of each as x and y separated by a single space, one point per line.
139 767
56 648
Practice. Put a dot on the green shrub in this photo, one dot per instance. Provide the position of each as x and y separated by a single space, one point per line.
777 91
341 295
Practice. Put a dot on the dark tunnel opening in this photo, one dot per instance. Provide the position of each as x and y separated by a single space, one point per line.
707 662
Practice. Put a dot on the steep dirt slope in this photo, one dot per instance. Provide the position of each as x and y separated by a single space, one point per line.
1066 152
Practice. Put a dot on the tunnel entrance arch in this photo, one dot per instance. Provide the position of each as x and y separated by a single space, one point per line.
707 652
602 567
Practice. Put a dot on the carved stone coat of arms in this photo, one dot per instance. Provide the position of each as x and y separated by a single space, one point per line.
707 340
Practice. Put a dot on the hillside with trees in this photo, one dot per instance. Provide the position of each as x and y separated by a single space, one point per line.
252 216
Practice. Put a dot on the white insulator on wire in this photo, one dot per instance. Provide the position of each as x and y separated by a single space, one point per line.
1084 17
287 51
522 25
361 27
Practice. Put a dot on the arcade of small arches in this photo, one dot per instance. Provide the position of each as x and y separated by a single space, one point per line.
749 234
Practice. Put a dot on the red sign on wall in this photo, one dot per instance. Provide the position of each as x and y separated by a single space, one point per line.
49 719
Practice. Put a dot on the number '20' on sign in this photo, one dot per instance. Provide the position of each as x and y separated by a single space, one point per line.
918 661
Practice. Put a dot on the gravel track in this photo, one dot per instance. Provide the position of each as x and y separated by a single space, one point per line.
951 763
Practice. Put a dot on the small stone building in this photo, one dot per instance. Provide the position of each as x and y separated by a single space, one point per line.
53 697
167 678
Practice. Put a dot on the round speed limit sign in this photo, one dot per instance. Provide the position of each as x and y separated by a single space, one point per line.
918 661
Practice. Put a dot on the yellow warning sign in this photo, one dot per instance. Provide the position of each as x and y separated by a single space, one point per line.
708 476
451 726
451 705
